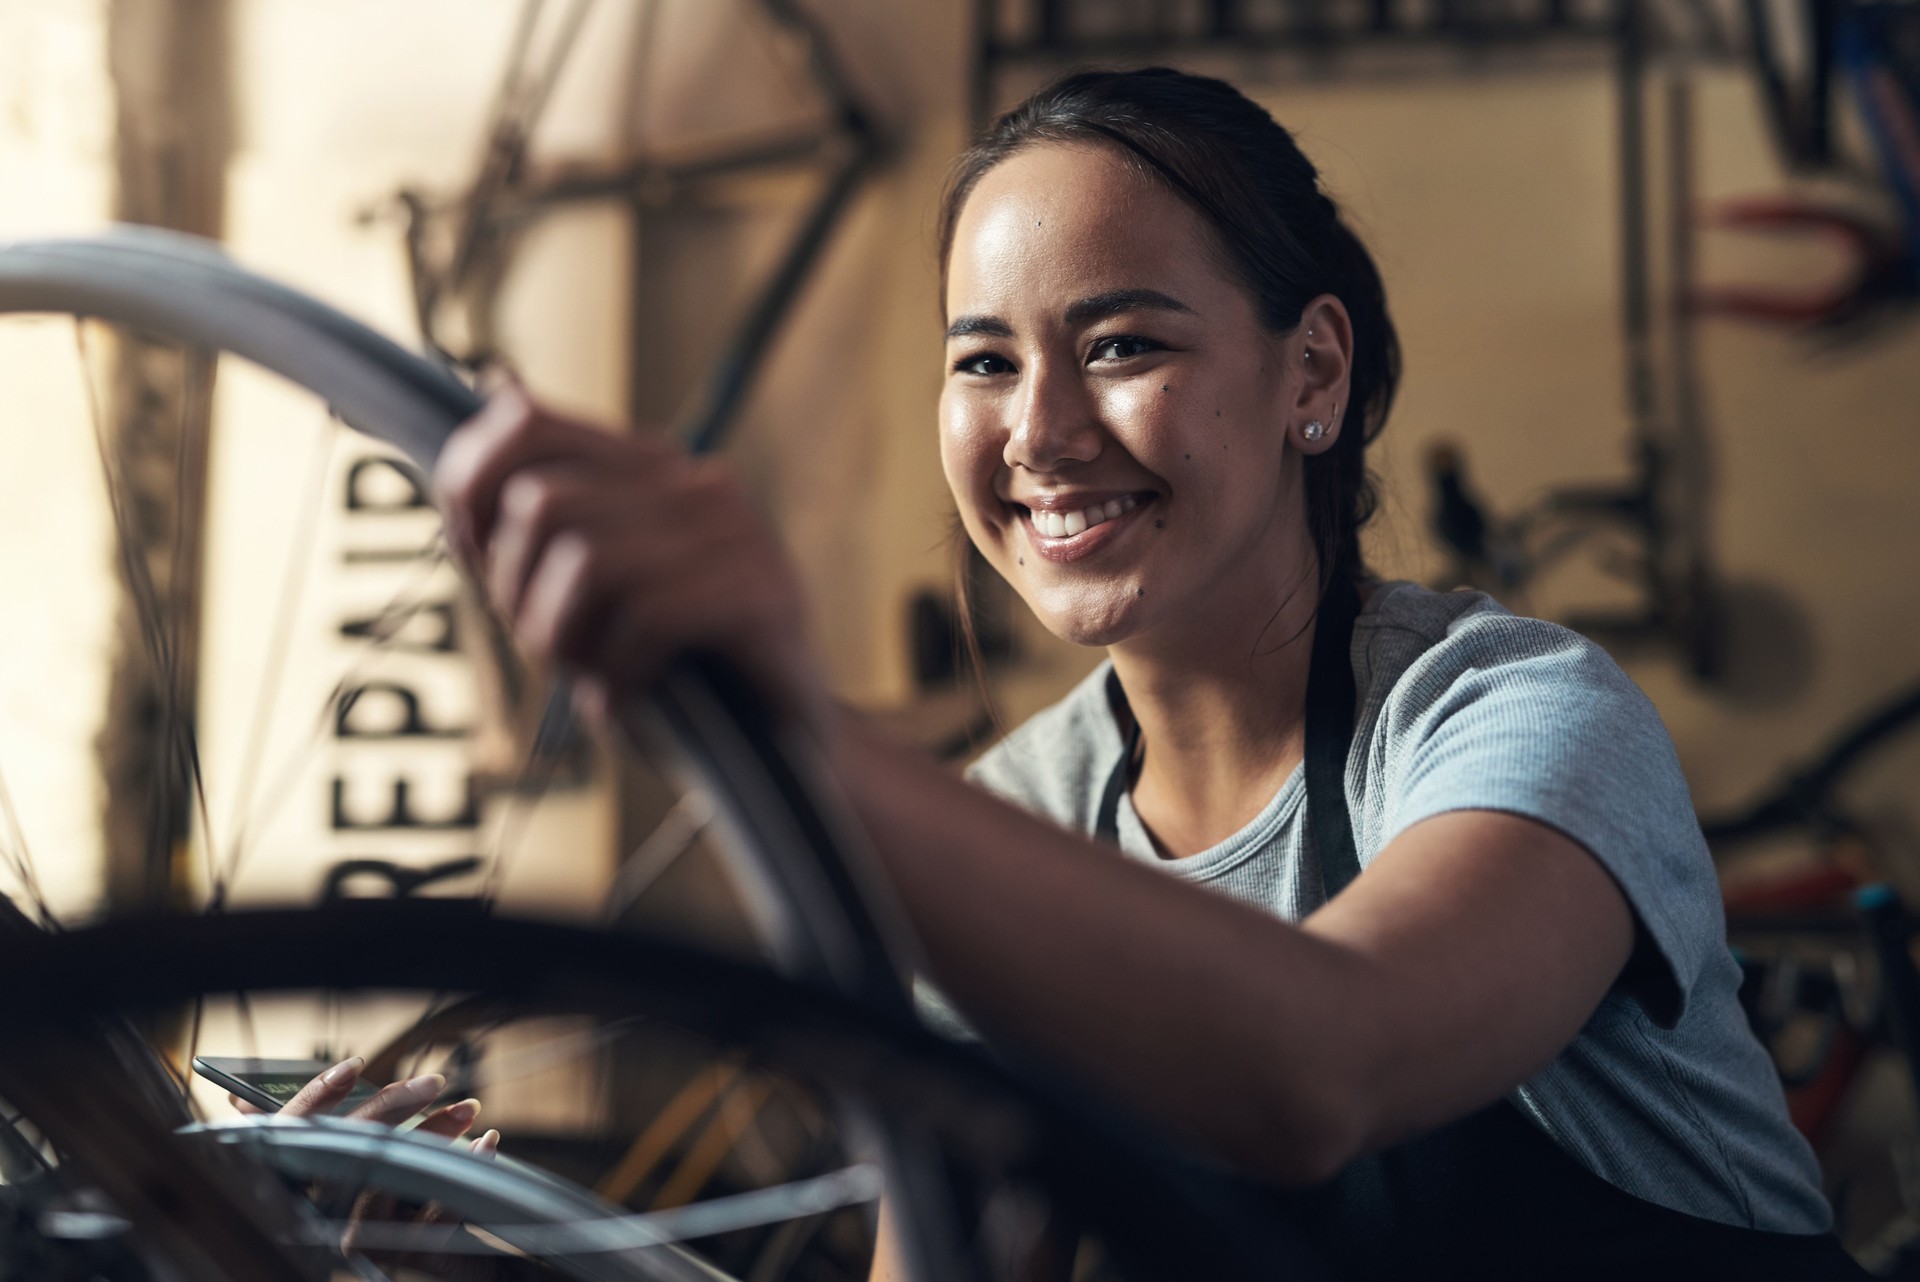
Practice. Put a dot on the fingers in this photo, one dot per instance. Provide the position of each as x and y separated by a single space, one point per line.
453 1121
510 434
396 1103
245 1107
390 1106
541 507
324 1092
692 575
609 555
486 1146
753 615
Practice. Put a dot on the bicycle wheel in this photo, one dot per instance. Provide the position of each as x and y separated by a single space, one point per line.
1014 1140
837 1075
790 850
782 844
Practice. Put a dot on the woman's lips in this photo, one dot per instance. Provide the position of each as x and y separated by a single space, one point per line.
1066 534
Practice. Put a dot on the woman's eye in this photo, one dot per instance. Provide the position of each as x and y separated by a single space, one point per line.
983 363
1121 346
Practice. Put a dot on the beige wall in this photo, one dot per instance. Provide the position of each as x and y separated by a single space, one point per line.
1491 204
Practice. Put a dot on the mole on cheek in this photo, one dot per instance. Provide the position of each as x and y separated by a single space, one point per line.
1159 525
1139 591
1021 559
1166 387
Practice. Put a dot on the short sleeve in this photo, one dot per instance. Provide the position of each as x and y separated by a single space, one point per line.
1527 718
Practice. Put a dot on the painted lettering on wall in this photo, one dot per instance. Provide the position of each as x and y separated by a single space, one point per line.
402 721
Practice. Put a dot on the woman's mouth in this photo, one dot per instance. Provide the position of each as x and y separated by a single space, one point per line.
1069 533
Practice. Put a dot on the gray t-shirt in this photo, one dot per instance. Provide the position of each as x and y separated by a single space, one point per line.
1462 706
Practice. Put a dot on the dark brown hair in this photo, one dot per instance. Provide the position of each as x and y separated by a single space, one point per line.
1278 232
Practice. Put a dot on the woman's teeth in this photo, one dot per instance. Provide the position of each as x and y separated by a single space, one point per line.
1064 525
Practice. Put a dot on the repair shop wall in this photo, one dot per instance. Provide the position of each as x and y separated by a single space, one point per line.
1491 203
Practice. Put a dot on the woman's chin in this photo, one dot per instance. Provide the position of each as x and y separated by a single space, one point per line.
1097 623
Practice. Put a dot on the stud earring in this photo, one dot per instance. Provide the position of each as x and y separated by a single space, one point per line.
1314 430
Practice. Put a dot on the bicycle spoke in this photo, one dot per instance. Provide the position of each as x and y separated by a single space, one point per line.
148 611
197 369
850 1186
498 1069
389 622
535 777
671 838
267 699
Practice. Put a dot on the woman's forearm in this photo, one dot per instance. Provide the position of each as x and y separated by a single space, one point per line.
1470 954
1171 998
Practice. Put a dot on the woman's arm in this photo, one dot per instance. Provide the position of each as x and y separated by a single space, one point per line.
1469 953
1465 958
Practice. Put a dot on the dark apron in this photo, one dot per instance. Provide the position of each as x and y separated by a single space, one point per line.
1489 1196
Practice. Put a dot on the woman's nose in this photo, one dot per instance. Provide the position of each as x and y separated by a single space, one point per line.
1056 421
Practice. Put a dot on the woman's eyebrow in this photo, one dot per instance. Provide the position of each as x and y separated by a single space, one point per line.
979 325
1111 303
1116 301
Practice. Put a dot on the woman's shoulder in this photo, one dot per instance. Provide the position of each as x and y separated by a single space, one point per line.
1056 761
1415 647
1462 619
1471 707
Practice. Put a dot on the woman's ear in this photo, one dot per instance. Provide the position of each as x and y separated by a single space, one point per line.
1321 347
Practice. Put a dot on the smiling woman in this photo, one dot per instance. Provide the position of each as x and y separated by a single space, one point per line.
1139 375
1409 918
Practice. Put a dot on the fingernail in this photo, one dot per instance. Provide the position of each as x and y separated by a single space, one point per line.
467 1109
424 1087
486 1144
343 1073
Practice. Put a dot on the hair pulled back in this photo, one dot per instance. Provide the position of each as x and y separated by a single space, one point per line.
1280 234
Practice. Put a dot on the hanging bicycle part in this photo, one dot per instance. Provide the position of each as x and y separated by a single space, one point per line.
512 192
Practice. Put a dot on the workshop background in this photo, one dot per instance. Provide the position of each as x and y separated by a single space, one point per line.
1633 410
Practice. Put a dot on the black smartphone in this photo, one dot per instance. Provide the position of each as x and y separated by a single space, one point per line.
270 1083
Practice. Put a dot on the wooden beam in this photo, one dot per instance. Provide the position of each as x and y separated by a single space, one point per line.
171 76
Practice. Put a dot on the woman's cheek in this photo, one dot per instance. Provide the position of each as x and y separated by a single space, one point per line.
1139 411
970 456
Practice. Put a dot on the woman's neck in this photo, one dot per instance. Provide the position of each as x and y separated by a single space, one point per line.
1222 715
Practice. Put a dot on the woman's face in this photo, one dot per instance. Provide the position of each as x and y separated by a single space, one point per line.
1114 418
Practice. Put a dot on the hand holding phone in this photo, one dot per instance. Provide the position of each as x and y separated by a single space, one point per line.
269 1084
306 1087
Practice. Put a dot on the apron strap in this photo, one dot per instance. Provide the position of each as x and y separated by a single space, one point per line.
1106 824
1330 695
